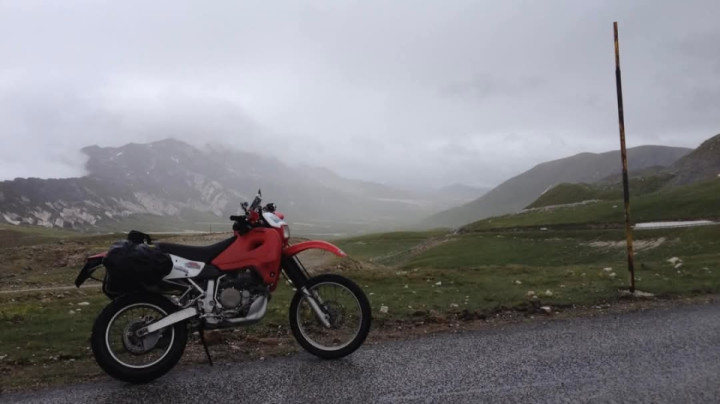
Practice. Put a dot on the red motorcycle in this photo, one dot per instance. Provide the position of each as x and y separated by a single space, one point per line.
160 293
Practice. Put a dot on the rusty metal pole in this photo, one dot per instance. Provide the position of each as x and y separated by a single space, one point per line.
623 154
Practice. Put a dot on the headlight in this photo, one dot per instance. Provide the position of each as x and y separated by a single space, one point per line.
286 231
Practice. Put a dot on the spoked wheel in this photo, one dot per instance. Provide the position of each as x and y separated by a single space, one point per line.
346 310
128 357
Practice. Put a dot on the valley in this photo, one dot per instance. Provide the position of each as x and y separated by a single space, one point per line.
490 272
562 254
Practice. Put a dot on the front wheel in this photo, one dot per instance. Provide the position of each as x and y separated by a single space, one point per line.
124 355
346 309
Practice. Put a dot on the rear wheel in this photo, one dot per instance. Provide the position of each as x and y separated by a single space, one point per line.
347 311
124 355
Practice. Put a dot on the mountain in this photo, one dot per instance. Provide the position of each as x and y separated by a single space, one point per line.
170 185
458 194
701 164
521 190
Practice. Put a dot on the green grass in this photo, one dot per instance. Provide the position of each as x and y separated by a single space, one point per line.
468 251
563 248
485 273
421 291
573 193
697 201
568 193
42 328
386 248
700 200
13 236
570 263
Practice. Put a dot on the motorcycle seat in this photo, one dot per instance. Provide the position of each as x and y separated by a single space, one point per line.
196 253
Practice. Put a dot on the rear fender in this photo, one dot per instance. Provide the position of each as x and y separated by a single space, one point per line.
93 263
307 245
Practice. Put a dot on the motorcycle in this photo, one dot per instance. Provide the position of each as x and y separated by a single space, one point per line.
141 334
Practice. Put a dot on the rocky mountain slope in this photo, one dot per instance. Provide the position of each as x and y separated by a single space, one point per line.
170 185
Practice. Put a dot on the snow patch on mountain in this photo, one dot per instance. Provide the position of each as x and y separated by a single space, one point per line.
155 205
11 218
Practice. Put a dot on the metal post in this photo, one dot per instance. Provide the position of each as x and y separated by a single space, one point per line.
623 153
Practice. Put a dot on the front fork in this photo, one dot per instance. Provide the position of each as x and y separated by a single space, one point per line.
313 298
298 275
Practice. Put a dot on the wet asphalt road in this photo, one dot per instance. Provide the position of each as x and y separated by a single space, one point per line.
655 356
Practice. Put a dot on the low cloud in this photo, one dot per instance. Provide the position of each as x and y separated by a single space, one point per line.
419 95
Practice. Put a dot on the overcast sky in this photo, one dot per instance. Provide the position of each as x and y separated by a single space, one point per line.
414 93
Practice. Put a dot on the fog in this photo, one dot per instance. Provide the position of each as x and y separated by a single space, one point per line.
410 93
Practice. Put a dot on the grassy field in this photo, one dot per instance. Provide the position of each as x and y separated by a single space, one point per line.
13 236
387 248
498 269
410 278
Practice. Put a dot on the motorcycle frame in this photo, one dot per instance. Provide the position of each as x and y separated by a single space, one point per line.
289 264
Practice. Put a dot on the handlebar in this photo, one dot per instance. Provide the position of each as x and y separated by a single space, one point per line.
251 212
256 202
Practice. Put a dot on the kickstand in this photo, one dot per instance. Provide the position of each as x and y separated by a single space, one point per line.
201 331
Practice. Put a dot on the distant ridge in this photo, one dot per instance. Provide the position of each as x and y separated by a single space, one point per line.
171 185
521 190
700 165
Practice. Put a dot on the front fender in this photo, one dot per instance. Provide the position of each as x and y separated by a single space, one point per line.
306 245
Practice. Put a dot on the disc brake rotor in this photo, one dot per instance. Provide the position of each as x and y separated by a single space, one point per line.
336 312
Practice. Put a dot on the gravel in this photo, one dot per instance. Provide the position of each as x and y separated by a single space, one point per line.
653 356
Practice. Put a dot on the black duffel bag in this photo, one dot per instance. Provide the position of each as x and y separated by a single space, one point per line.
134 266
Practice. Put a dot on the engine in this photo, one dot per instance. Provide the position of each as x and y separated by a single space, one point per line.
237 291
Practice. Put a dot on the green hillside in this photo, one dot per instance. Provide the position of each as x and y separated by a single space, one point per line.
696 201
521 190
573 193
701 164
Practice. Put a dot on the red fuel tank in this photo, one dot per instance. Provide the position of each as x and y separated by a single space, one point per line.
260 248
